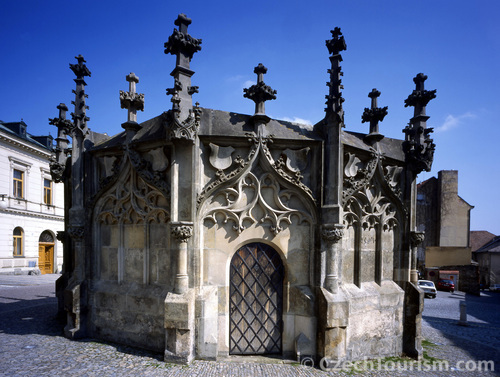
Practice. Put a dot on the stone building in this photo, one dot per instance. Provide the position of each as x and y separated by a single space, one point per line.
445 218
203 233
31 204
488 258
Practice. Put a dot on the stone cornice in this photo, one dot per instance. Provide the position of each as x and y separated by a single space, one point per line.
39 215
25 145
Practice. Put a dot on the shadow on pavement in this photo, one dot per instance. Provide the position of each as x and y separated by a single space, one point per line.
39 316
480 338
24 317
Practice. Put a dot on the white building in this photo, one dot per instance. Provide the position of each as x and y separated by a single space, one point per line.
31 204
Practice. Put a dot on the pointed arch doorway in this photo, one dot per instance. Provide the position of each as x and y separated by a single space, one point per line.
46 252
256 301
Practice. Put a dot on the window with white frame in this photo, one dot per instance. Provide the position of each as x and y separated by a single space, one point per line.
47 191
18 184
19 173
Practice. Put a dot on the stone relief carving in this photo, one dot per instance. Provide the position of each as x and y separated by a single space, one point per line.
252 192
246 203
220 157
332 232
393 179
181 232
132 200
259 148
186 129
151 167
61 235
151 172
57 171
76 232
110 168
417 238
359 174
370 208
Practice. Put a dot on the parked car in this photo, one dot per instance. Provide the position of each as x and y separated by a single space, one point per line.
495 288
428 287
446 285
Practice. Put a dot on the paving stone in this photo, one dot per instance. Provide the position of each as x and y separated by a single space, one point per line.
32 344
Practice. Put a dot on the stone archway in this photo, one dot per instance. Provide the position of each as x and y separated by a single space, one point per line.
256 301
46 244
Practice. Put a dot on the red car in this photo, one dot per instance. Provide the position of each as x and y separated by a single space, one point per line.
445 285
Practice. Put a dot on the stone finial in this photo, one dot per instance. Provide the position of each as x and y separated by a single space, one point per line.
181 44
63 128
374 115
334 97
260 93
63 125
80 118
337 43
418 146
80 69
131 100
420 97
62 110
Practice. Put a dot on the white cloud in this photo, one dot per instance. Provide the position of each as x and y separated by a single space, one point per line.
248 83
298 121
452 121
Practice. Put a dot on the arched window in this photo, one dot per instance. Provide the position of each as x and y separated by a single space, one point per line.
18 235
46 236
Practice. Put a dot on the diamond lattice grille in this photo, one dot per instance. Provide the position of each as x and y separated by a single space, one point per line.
256 300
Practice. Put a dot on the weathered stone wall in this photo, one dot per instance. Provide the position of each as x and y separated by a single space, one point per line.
134 268
375 320
129 314
454 212
361 322
295 246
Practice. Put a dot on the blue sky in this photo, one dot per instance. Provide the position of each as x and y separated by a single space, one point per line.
456 43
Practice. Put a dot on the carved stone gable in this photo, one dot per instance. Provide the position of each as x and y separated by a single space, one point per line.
132 200
259 189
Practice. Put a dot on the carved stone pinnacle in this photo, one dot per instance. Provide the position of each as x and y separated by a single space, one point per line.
260 93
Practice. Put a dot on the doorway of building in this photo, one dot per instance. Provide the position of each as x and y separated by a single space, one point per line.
256 301
46 252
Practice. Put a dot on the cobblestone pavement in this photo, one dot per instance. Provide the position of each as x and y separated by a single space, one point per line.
31 343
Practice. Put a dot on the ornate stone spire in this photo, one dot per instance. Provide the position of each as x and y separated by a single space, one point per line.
63 128
181 44
260 93
418 146
374 115
334 97
80 118
131 101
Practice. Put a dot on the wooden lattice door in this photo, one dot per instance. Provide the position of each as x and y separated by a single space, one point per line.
256 301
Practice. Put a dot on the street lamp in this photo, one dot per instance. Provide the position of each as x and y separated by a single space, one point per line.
3 202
